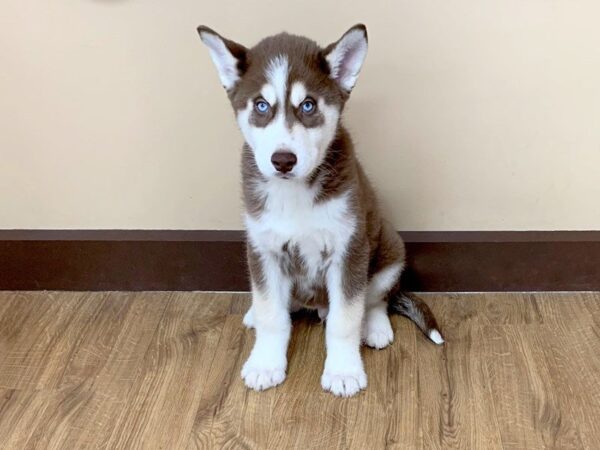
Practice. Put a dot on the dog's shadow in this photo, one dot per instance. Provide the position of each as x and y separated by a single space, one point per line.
306 316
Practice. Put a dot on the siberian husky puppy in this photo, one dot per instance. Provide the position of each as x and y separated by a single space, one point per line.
316 238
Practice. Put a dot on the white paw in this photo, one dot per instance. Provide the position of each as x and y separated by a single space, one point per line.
377 331
344 384
379 339
344 373
248 319
261 378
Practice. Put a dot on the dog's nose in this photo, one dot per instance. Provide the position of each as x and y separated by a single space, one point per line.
284 161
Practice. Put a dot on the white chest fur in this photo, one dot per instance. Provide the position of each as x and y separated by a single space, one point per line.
292 217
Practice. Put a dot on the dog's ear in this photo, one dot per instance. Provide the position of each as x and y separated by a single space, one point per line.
229 57
346 56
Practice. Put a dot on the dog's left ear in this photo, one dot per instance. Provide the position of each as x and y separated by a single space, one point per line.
346 56
229 57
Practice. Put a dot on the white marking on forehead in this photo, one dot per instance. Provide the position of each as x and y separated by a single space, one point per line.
269 94
277 75
298 93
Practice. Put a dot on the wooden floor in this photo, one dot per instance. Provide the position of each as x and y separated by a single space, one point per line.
161 370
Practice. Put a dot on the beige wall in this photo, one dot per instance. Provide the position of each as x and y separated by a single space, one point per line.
468 115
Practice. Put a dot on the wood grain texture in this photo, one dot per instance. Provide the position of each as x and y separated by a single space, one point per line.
161 370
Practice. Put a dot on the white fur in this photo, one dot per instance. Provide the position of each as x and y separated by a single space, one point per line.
322 311
297 93
347 58
382 282
267 362
277 74
436 337
269 94
248 319
344 374
222 58
290 215
377 330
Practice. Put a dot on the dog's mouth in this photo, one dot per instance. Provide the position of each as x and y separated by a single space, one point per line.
284 176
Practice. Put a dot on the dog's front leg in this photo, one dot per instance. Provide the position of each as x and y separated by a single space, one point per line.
267 363
344 374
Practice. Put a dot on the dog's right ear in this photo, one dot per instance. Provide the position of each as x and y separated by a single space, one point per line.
229 57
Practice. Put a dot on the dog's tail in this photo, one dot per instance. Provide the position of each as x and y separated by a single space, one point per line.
411 306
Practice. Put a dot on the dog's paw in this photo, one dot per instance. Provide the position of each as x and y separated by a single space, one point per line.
344 384
261 378
248 319
377 331
379 339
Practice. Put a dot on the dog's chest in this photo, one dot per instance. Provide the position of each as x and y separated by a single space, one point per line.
303 236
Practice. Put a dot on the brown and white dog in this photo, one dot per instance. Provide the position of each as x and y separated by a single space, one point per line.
315 235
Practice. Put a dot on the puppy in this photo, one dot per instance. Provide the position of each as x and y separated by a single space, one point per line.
316 238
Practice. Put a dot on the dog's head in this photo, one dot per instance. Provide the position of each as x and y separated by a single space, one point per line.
288 94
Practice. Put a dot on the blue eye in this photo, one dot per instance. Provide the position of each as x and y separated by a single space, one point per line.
261 106
308 106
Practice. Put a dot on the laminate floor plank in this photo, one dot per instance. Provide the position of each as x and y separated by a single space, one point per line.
122 370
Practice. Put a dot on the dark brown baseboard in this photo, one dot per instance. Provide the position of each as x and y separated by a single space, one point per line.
137 260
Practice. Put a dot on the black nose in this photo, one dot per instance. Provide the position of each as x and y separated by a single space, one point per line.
284 161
